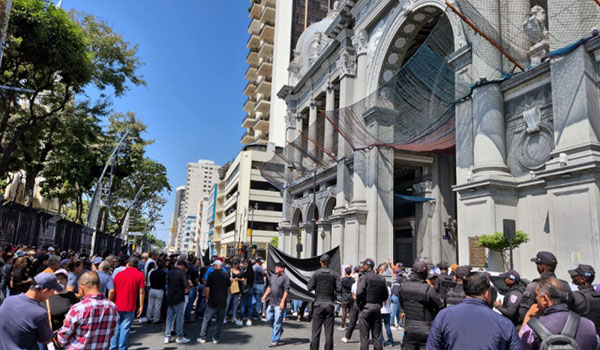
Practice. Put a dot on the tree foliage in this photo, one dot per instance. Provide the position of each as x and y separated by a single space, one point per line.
498 243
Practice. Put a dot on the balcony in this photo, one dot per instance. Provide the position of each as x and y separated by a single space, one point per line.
249 104
251 73
265 67
267 32
270 3
249 121
263 105
247 138
250 89
266 49
264 85
268 15
255 27
252 58
263 138
253 42
262 123
256 11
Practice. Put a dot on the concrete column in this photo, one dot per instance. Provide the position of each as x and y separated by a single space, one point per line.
330 131
290 134
298 156
337 236
320 241
360 43
489 149
575 102
312 129
359 178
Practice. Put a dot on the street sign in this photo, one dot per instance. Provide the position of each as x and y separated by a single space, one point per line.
135 234
509 228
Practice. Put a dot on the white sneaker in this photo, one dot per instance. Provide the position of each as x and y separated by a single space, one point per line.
341 328
249 323
201 341
216 341
182 340
344 340
295 313
239 323
143 320
167 340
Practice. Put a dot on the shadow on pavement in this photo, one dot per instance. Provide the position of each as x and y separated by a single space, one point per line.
294 341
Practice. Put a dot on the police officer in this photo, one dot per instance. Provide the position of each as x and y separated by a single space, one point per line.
509 307
586 301
371 293
456 295
420 303
445 281
326 284
546 265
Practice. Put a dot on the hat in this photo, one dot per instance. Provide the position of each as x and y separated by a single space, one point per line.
61 272
235 261
217 262
45 280
50 249
97 260
325 258
545 258
512 274
583 270
419 266
443 265
462 271
220 259
64 262
368 261
181 263
20 253
31 252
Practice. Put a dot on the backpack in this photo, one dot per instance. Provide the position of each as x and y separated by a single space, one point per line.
563 341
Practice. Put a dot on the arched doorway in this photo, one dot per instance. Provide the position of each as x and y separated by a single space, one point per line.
296 238
312 216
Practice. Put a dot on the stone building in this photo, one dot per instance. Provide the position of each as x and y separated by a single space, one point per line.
526 146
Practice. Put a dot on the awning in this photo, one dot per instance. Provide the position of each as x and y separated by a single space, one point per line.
404 199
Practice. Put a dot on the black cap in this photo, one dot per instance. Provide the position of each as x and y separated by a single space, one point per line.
512 274
325 258
545 258
181 263
583 270
368 261
235 261
443 265
462 271
420 267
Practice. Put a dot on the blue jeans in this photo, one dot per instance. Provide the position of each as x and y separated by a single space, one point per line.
296 305
175 312
190 303
119 340
388 329
259 291
275 319
395 303
247 303
208 315
201 302
233 299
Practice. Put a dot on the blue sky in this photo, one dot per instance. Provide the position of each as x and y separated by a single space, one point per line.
195 53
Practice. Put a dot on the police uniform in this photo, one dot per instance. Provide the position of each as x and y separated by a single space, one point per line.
420 303
371 293
528 299
326 284
512 299
586 301
445 281
456 295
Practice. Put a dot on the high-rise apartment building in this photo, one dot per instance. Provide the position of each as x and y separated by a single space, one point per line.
200 178
179 206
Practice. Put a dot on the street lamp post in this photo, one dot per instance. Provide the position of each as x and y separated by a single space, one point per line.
255 207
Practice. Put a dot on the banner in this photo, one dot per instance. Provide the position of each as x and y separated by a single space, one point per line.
299 271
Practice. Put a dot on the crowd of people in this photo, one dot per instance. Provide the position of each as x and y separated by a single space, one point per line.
70 300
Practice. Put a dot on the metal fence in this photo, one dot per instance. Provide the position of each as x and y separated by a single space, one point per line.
36 228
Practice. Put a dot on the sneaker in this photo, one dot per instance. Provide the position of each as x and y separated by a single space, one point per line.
182 340
167 340
239 323
249 323
143 320
131 331
225 321
394 328
295 313
201 341
341 328
344 340
216 341
273 344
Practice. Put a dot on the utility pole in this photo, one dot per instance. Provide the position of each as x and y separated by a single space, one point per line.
251 248
314 221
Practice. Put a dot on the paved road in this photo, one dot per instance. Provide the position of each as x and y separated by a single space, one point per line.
258 336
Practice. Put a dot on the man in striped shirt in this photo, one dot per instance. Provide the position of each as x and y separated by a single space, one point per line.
91 323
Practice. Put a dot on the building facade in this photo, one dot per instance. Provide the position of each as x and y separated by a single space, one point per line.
172 247
524 147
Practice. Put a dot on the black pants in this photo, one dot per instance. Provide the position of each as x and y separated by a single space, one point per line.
303 307
353 320
413 341
346 309
323 315
369 324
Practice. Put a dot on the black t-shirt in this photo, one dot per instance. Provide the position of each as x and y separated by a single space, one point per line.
240 276
249 275
347 283
192 273
59 306
158 279
178 282
19 276
218 282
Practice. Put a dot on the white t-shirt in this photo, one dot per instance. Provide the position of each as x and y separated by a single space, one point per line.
385 308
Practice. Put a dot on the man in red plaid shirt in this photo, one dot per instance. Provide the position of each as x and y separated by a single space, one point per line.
90 323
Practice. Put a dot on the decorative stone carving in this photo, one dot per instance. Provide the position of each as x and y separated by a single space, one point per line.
361 41
347 63
373 43
422 187
290 119
537 33
533 118
316 46
330 87
535 148
407 8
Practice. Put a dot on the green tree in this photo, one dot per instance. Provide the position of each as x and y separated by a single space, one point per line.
498 243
